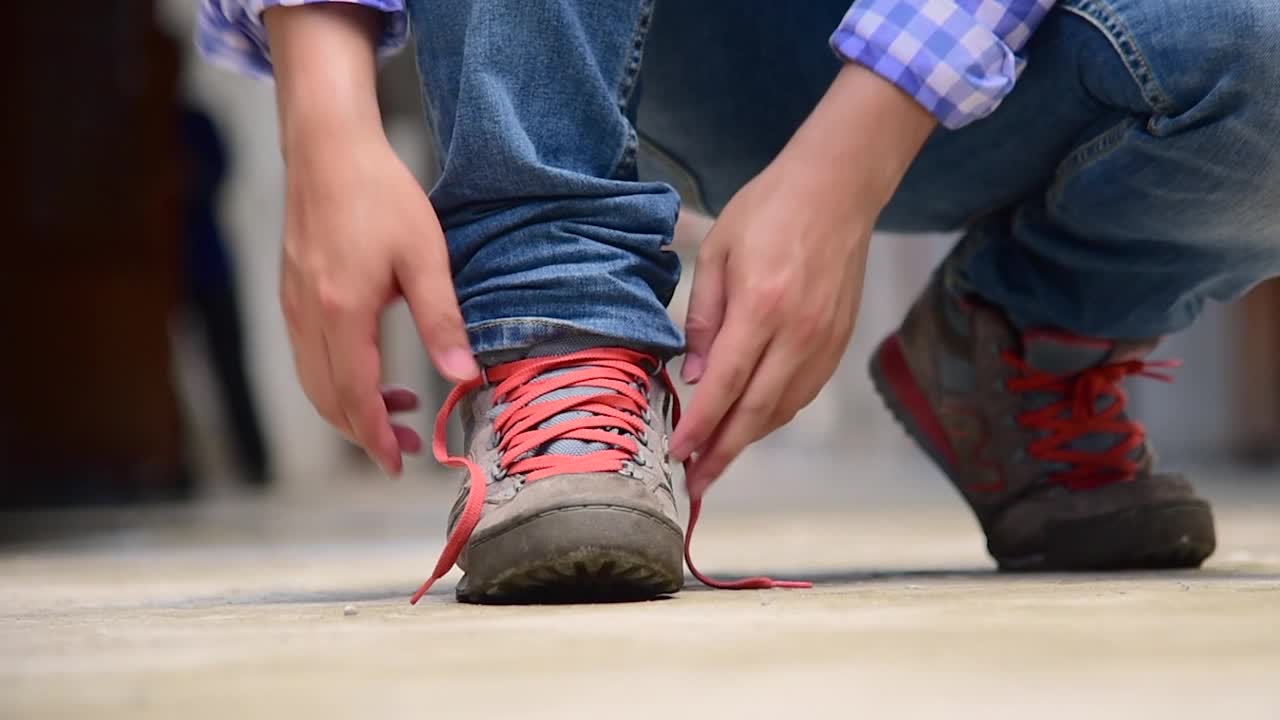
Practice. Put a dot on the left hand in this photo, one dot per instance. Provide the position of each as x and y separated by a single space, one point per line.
779 278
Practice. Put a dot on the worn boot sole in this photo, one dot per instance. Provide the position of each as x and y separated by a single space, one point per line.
575 554
1168 535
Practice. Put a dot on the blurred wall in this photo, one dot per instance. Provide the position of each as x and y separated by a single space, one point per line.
93 205
244 110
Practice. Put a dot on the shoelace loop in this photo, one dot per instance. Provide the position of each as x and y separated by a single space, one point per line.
1077 414
616 415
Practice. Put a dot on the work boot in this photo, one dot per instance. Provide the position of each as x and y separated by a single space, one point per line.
1031 429
567 495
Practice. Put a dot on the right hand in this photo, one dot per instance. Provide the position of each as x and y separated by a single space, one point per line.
359 233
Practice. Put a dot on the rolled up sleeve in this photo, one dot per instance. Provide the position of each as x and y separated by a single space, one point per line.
957 58
231 34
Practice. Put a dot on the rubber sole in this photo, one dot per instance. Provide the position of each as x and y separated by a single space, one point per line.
1169 535
577 554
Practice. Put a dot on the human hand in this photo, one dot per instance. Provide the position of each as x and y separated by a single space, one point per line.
774 299
359 232
778 279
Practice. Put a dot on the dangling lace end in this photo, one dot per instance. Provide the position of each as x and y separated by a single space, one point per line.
750 583
470 516
453 547
695 509
422 590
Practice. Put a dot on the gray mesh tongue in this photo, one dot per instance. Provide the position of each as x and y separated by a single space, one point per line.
562 346
1064 355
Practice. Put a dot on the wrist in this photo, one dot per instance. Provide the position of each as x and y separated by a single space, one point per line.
326 73
306 135
859 140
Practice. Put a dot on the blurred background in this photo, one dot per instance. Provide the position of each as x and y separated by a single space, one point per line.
181 535
144 357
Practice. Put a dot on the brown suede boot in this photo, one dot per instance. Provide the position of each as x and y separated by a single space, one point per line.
1031 428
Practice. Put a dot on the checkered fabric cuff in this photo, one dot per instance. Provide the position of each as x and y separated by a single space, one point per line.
230 33
957 58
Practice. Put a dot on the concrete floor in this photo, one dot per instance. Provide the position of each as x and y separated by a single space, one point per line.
234 609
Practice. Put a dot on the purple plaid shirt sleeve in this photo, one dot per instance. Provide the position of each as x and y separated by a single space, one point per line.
957 58
230 33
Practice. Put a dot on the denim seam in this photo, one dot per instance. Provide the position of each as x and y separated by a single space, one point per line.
524 327
626 87
1092 150
539 322
1103 17
1099 14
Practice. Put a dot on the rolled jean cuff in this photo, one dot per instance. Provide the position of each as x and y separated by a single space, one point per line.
661 338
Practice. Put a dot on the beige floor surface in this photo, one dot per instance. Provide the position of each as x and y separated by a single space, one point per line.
235 609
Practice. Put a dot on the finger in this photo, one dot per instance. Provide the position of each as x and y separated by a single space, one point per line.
730 364
818 343
752 417
402 399
807 382
409 440
399 399
706 311
311 360
428 289
351 337
819 360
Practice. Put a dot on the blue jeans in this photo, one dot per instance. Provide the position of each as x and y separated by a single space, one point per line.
1132 175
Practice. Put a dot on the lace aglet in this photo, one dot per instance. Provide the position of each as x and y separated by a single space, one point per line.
751 583
792 584
423 590
764 583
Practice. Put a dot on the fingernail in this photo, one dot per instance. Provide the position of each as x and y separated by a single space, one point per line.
459 364
409 440
399 399
394 389
691 370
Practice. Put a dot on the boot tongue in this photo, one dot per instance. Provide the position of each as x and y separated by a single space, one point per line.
558 346
1067 355
1061 354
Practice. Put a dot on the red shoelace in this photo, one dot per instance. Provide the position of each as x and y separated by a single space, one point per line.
1077 415
616 415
